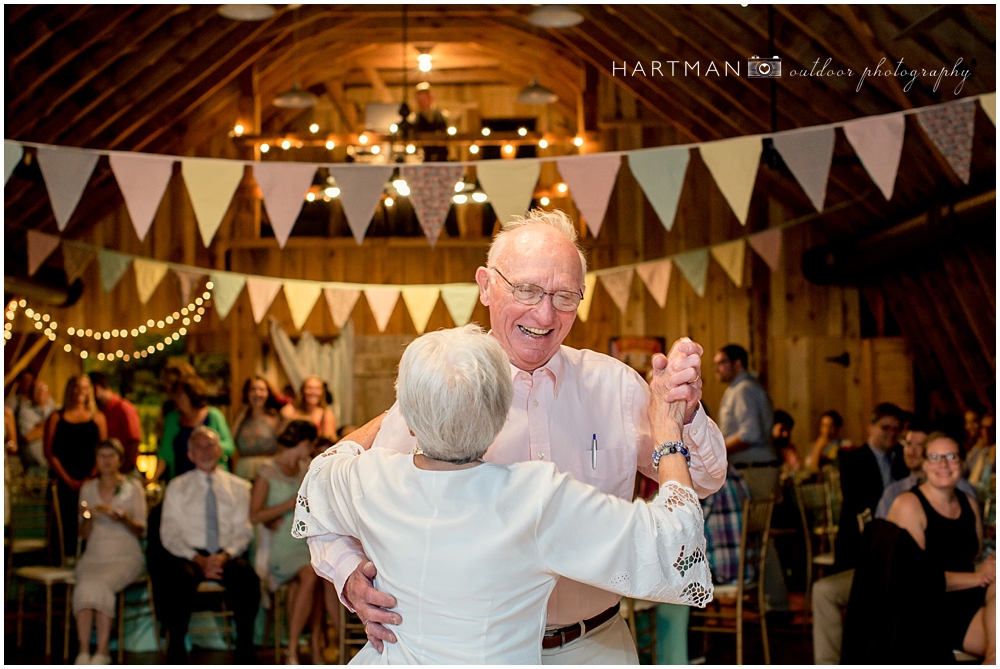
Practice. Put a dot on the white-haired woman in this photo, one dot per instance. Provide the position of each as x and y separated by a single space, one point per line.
472 550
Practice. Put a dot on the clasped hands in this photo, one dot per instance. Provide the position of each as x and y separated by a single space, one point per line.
677 376
211 565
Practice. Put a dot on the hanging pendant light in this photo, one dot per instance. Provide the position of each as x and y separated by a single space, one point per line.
295 98
555 16
536 94
246 12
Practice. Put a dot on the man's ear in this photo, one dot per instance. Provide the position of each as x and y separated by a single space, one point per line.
483 279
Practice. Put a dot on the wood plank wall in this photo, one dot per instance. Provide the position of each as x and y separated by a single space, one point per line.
789 326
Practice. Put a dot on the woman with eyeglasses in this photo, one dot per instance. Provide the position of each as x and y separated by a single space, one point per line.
946 524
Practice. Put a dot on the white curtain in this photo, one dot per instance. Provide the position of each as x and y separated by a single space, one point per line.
332 362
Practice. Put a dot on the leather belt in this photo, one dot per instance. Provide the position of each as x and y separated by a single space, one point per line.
754 465
563 635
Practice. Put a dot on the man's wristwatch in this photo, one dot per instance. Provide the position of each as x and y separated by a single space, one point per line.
668 448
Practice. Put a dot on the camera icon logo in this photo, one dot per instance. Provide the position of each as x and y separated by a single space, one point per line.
764 68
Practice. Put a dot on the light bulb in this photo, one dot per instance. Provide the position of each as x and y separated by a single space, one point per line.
522 131
264 148
197 301
45 317
134 332
486 132
544 202
210 285
168 320
197 318
160 324
424 63
452 130
114 333
562 187
399 183
331 191
310 196
150 323
330 144
392 128
411 149
474 149
461 198
83 354
479 197
97 335
578 141
508 148
363 139
238 129
314 127
376 149
186 321
389 202
159 347
71 331
201 310
67 348
88 333
459 186
142 329
286 145
100 356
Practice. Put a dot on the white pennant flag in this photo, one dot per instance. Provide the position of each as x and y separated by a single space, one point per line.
733 164
510 185
66 173
148 275
211 185
361 189
878 141
12 154
284 187
461 300
591 180
420 302
262 293
226 288
142 179
660 173
656 276
382 302
301 297
809 155
340 302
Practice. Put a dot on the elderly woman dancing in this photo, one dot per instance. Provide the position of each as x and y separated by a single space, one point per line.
472 549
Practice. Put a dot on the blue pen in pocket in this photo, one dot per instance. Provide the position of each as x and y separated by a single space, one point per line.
593 452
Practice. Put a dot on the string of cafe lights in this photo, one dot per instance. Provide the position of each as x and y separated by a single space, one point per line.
192 313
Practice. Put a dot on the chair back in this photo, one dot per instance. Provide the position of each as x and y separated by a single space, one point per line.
31 515
831 475
753 540
864 518
815 501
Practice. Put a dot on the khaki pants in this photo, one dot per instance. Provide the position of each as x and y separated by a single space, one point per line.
611 643
829 603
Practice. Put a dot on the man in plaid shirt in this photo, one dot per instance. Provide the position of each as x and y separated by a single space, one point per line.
723 526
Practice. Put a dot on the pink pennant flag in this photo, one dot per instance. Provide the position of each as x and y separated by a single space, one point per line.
618 285
809 154
75 261
431 189
341 303
284 187
142 179
950 128
40 247
878 141
382 302
262 293
591 180
66 173
767 244
186 282
361 189
656 276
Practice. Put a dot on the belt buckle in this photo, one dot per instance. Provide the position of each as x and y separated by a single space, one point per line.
562 637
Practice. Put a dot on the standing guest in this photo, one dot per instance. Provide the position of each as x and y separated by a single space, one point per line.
112 518
312 406
206 530
31 417
122 417
71 438
583 411
828 443
945 523
255 430
23 391
272 502
190 396
724 527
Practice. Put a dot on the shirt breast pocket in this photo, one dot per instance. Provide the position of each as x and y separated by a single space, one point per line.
612 472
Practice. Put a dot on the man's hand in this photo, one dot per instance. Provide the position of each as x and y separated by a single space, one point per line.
682 372
371 605
211 566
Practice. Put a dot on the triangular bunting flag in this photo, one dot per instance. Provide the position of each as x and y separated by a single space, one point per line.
148 275
618 285
461 300
12 154
142 179
733 164
656 276
878 141
361 189
591 180
589 283
340 302
382 302
431 189
730 256
187 281
40 247
510 185
694 266
66 173
75 261
211 185
950 128
660 173
262 293
420 302
989 104
767 244
283 186
226 287
113 266
301 297
808 155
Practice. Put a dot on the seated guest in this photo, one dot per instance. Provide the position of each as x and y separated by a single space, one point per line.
272 503
828 443
190 396
781 434
205 530
945 523
255 430
122 417
112 518
472 549
312 406
723 527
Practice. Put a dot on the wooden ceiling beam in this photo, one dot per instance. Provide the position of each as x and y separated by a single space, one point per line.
44 35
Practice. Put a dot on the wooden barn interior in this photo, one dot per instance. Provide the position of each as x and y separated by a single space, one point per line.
871 299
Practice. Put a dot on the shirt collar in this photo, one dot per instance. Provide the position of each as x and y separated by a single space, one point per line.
554 368
740 377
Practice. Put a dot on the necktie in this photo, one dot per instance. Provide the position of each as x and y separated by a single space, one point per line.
211 521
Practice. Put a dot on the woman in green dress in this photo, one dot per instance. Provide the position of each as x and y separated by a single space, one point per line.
273 503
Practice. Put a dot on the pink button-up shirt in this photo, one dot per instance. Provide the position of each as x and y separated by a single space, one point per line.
556 412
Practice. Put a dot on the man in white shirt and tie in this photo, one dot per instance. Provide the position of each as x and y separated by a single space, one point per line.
206 530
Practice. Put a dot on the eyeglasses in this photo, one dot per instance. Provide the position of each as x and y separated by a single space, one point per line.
945 457
530 294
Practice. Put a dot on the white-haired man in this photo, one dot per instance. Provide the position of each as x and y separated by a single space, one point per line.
582 410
